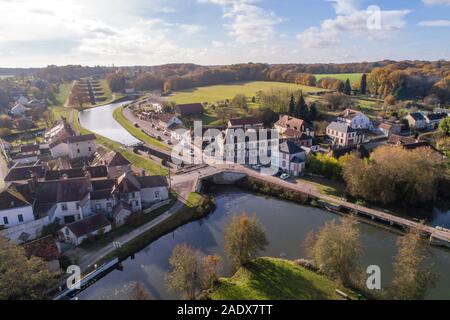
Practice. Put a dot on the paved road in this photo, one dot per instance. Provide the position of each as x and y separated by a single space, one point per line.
312 191
147 126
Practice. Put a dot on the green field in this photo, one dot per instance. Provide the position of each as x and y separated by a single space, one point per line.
276 279
354 77
216 93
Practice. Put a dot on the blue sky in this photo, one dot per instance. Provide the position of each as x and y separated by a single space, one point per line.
153 32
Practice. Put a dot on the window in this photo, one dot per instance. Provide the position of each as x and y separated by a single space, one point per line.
90 149
132 195
64 206
157 195
20 217
78 151
78 206
67 231
109 205
5 220
98 206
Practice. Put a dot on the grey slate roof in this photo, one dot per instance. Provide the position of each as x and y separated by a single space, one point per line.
290 147
341 127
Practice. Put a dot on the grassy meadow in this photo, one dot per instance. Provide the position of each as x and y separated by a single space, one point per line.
216 93
276 279
354 77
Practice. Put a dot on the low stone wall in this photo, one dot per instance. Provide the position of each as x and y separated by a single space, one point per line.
33 228
156 206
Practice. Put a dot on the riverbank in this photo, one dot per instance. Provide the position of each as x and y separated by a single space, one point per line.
136 160
277 279
193 208
137 132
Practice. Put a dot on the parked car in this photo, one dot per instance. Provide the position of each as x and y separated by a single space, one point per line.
169 142
285 176
136 125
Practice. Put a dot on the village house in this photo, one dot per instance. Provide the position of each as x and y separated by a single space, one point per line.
14 208
28 207
435 119
164 121
190 109
406 142
286 125
354 119
417 120
389 128
75 147
18 110
77 232
118 165
22 100
180 133
292 158
343 135
121 213
254 143
22 174
246 123
82 146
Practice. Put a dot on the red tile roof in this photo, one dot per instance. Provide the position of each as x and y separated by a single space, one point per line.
44 248
189 109
88 225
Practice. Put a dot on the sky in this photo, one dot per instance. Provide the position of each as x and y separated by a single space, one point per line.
216 32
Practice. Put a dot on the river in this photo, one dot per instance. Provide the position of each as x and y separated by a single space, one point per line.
286 224
101 121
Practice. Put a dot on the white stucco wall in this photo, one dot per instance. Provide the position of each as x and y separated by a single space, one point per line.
13 216
82 149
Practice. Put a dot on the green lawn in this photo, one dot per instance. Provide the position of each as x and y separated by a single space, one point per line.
136 132
59 110
354 77
216 93
276 279
137 160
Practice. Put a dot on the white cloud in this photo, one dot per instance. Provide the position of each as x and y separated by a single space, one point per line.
435 23
100 32
371 23
436 2
249 23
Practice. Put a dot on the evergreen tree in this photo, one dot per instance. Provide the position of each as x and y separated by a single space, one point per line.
340 86
347 88
292 106
302 108
312 114
363 86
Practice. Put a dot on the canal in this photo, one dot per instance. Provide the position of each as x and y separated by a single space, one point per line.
101 121
286 224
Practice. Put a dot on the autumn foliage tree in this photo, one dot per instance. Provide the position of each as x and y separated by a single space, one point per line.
335 250
244 238
394 175
191 272
22 277
412 275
